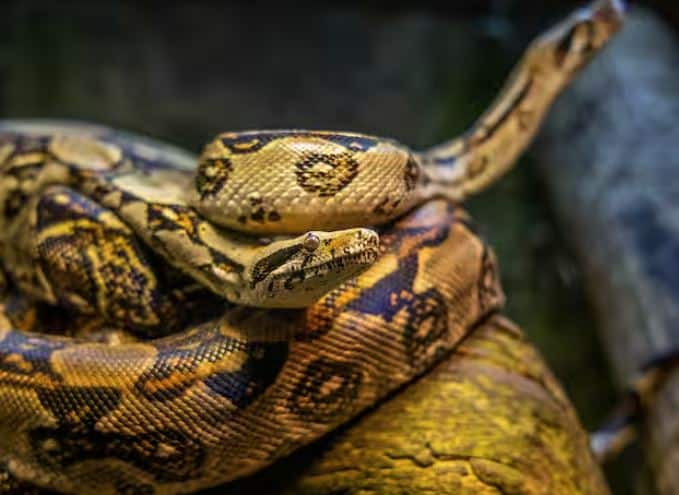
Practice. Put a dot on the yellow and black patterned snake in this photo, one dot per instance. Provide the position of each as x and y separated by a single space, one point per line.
161 330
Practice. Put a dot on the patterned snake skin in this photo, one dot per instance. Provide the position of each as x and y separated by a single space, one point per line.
132 358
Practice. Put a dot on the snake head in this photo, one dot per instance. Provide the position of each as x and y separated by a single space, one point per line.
294 273
570 45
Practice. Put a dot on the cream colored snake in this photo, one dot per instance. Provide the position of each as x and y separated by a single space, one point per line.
109 243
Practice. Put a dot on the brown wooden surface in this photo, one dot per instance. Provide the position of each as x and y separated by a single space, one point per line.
491 419
610 155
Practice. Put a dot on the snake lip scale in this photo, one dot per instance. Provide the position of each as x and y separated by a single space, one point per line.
170 323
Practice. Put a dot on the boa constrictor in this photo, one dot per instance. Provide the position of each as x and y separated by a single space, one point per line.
105 233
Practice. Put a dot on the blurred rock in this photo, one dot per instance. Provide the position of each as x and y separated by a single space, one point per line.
610 155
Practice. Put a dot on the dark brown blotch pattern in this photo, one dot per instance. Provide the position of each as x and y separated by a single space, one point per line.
211 176
326 174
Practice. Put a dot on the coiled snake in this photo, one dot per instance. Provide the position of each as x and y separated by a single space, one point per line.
108 241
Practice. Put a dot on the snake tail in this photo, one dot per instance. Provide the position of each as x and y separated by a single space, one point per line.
468 164
288 181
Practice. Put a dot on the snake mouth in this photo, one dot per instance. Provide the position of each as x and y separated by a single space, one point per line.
302 287
344 266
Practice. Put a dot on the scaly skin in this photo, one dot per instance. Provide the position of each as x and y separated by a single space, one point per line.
93 222
147 195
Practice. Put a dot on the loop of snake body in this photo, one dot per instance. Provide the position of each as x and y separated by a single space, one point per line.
117 233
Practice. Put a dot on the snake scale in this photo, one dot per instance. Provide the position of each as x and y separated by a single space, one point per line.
164 329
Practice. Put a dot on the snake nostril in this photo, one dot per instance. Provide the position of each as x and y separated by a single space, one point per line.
311 242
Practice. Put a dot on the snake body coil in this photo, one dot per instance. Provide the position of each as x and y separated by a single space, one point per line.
100 225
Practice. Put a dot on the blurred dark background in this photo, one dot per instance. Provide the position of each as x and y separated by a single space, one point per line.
417 71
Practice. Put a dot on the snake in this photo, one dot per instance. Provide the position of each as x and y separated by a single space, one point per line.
170 324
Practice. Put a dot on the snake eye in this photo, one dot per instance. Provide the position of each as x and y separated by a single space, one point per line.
311 242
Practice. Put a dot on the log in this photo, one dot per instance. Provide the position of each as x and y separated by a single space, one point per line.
490 419
609 155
